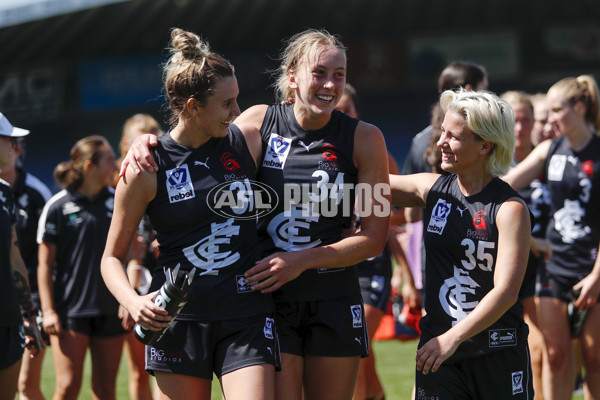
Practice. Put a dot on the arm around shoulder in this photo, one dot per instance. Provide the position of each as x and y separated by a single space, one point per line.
250 122
411 190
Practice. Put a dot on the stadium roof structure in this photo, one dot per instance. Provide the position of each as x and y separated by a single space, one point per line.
34 30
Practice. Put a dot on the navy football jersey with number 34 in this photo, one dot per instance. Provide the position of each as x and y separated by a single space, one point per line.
314 175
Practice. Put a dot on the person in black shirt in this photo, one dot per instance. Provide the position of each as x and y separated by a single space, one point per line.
78 310
225 328
30 196
570 165
477 233
17 306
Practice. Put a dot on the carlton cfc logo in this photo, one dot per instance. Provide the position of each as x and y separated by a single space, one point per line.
228 162
329 152
478 220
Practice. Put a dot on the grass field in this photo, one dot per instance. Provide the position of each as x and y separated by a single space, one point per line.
395 364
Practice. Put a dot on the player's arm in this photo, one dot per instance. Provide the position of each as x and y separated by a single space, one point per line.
139 157
46 260
411 190
530 168
250 122
131 199
514 227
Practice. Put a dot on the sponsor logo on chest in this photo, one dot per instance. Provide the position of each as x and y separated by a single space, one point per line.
277 152
439 217
179 184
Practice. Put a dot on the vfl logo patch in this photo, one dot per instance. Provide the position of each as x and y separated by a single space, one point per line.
179 184
268 329
277 151
439 217
356 311
517 382
556 167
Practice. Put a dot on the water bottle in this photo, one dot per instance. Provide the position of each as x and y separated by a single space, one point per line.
172 296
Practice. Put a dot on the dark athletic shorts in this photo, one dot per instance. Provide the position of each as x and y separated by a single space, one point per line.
376 291
500 375
558 288
562 289
101 326
200 349
328 328
13 342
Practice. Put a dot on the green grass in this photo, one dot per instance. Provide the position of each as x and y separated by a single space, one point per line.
395 365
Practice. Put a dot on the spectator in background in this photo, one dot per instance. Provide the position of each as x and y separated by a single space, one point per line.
17 307
541 130
570 164
536 198
79 311
140 264
30 196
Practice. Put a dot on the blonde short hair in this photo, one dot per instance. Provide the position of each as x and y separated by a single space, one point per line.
491 119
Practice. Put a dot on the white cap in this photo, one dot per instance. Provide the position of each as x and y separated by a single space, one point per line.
6 128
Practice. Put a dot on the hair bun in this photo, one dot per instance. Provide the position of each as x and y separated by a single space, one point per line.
189 45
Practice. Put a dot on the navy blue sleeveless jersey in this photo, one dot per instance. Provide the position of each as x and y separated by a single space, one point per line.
314 175
461 240
78 227
9 306
30 196
574 186
194 229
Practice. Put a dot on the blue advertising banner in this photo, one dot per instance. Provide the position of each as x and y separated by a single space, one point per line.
109 84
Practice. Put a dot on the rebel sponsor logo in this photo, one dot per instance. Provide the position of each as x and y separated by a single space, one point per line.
243 199
179 184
